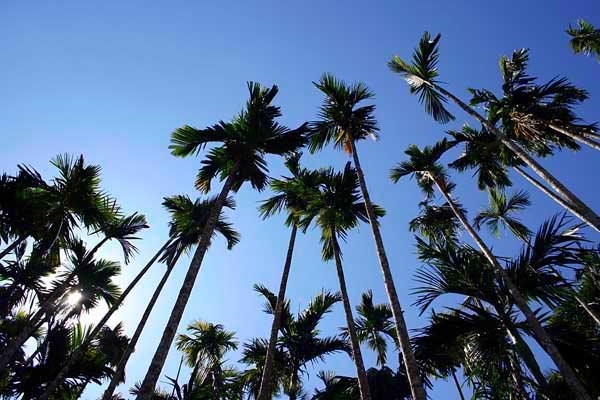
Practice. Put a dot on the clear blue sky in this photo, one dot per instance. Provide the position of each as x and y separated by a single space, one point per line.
112 79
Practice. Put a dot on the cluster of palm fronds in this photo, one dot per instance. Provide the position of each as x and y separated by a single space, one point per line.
545 298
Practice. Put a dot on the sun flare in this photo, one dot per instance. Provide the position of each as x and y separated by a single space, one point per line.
74 298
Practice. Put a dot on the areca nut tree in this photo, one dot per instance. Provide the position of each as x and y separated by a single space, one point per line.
585 38
338 209
238 157
292 194
300 342
424 165
188 219
343 121
422 74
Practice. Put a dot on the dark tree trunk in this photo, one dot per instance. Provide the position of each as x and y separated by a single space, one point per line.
363 384
412 371
169 332
538 330
265 386
12 246
458 387
120 370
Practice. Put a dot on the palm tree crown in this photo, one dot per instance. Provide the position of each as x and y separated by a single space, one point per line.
341 119
585 38
243 142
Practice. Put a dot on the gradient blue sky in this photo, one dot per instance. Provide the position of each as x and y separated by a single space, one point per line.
112 79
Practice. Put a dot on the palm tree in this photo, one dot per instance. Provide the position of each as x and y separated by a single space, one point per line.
244 142
384 383
344 122
338 209
24 277
94 281
372 325
73 200
490 158
203 351
188 219
82 263
424 165
300 343
441 350
111 342
421 75
539 117
585 38
436 223
292 194
476 338
499 213
30 381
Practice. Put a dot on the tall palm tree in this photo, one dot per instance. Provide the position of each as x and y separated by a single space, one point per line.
338 209
188 219
421 76
203 349
539 116
585 38
343 121
238 159
372 325
300 342
429 173
291 194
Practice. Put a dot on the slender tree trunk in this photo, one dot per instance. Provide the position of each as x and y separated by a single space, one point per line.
176 378
578 137
265 386
568 206
80 351
538 330
120 370
166 340
412 371
12 246
552 181
458 387
192 380
363 384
